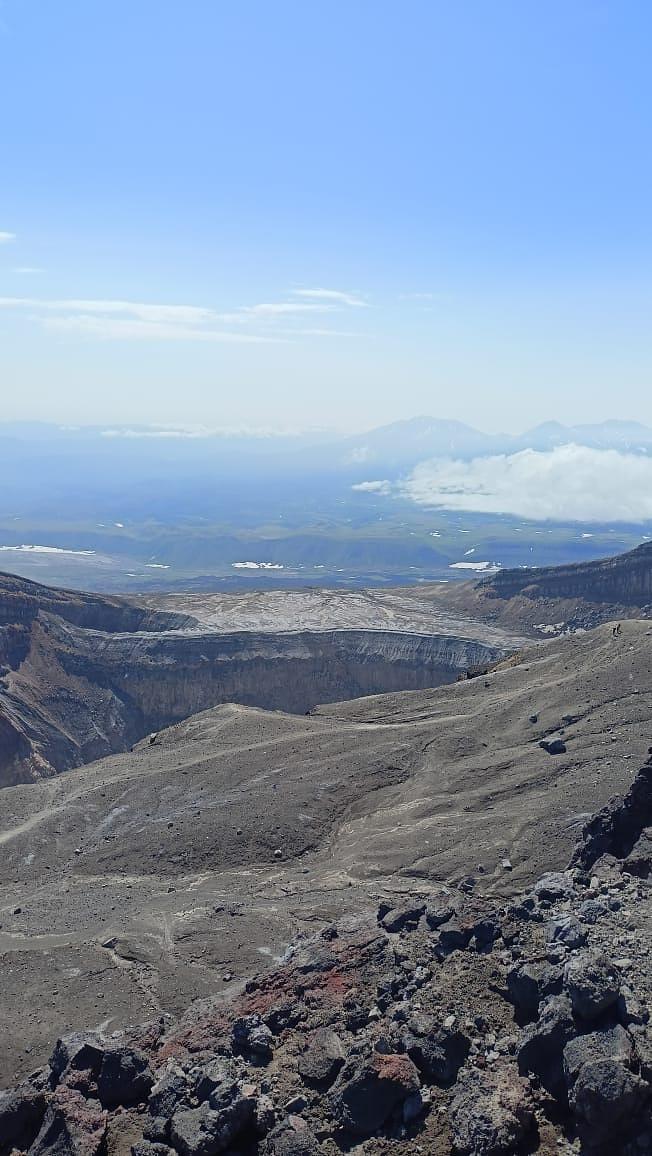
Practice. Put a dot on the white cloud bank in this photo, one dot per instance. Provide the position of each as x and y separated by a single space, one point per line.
569 483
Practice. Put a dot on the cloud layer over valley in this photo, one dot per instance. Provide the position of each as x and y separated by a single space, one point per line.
569 483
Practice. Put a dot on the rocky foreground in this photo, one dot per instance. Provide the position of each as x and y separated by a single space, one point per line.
449 1023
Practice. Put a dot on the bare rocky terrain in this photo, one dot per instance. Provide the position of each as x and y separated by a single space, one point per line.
276 934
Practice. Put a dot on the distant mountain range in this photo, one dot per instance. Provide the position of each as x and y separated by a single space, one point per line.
139 451
404 443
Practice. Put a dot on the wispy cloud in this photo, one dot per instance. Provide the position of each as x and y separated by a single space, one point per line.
382 486
569 483
135 309
27 269
336 296
5 238
136 329
152 321
283 308
324 333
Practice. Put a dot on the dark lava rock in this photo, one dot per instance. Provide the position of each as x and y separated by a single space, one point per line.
553 746
322 1059
216 1080
125 1077
438 1052
211 1128
21 1114
197 1132
613 1043
592 983
438 913
167 1093
147 1148
592 910
542 1045
403 918
607 1099
292 1138
454 935
252 1036
366 1095
486 931
566 931
639 860
530 982
616 828
80 1050
554 885
74 1127
156 1128
491 1111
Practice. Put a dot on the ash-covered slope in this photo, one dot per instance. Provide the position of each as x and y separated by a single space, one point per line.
135 884
83 676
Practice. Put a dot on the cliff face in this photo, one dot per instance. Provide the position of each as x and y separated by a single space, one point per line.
83 678
622 581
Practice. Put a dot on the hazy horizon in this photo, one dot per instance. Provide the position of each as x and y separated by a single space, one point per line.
332 216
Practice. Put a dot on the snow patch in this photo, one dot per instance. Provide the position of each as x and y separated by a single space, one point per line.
257 566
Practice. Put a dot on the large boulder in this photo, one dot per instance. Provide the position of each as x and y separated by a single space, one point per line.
437 1051
124 1077
197 1131
229 1111
166 1096
565 930
21 1114
216 1080
592 983
491 1111
292 1137
554 885
368 1093
529 982
405 917
438 913
322 1059
613 1043
608 1101
542 1045
82 1051
73 1126
453 935
253 1037
639 860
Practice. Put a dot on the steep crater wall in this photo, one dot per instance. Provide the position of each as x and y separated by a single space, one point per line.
173 677
625 580
81 694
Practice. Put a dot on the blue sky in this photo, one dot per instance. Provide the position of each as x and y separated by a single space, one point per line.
328 213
